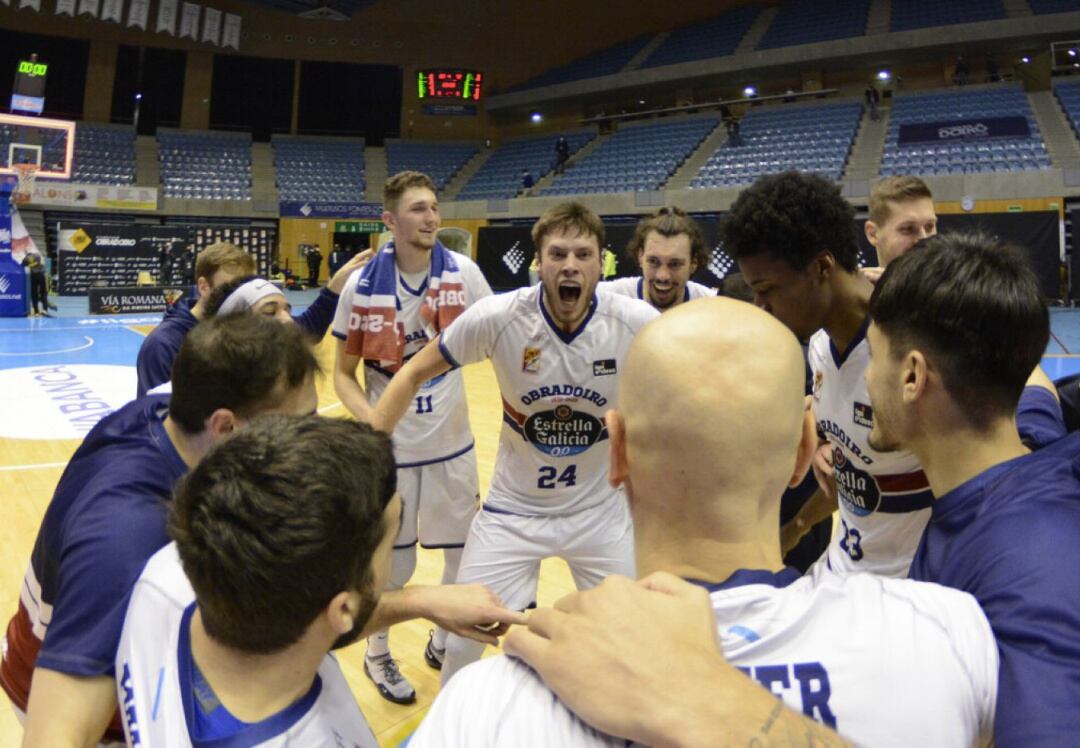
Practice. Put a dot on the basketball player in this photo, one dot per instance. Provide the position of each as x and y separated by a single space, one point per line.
107 517
218 265
901 214
849 652
215 265
282 547
558 350
410 291
669 247
957 325
793 236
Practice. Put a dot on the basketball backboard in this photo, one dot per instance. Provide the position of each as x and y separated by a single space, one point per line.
49 143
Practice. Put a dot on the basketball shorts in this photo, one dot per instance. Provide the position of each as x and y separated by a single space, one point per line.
438 502
504 551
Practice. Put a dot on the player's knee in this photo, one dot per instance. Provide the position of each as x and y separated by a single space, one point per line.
402 566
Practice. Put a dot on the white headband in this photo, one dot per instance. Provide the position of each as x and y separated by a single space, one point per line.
247 296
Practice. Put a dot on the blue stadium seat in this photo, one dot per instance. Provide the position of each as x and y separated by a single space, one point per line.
636 158
500 176
967 157
918 14
809 21
319 169
205 165
773 139
605 62
441 161
715 38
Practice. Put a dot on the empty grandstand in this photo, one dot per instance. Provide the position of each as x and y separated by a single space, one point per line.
440 160
715 38
319 169
1042 7
500 176
809 21
1069 96
970 155
814 139
919 14
605 62
205 165
104 155
636 158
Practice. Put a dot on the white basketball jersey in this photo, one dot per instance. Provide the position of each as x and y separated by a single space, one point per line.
436 426
155 699
556 388
885 498
635 288
884 662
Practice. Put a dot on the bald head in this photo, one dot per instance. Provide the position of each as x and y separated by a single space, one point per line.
712 401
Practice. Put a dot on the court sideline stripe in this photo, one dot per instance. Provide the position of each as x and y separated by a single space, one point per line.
39 466
44 465
1058 341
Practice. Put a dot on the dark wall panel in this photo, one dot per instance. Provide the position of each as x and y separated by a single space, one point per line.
345 99
253 94
158 74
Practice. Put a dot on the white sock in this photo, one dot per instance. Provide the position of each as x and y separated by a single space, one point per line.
402 566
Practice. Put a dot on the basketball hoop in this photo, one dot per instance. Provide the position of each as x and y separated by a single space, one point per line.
27 174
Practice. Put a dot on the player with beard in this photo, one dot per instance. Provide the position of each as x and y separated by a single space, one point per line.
227 633
669 248
409 292
557 349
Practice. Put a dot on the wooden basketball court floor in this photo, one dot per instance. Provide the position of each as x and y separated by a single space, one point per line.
42 359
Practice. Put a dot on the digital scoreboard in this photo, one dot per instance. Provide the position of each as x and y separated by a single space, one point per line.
28 92
464 85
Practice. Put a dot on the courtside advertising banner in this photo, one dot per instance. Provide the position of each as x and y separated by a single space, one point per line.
113 256
964 129
12 274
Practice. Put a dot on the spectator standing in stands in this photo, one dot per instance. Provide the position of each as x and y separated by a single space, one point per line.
527 180
38 290
960 74
562 154
732 126
873 98
313 255
993 72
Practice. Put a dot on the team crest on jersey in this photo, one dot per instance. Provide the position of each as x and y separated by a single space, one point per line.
857 488
603 368
530 360
819 378
863 415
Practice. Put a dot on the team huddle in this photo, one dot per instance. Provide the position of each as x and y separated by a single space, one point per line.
212 542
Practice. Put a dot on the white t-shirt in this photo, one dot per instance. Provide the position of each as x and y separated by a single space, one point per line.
885 662
556 388
154 687
885 498
436 427
635 288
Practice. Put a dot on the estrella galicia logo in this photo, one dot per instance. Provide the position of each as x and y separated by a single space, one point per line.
604 368
563 431
863 415
858 490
